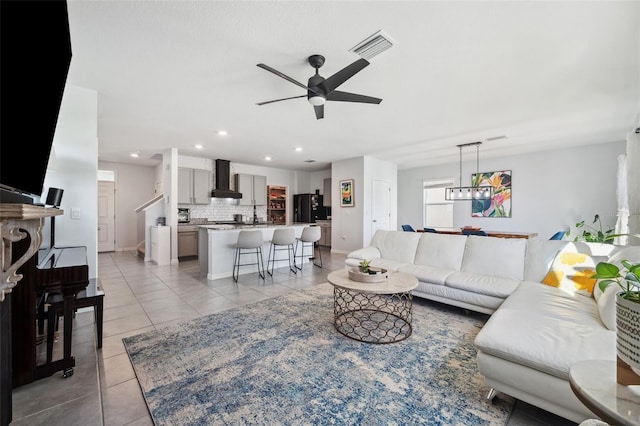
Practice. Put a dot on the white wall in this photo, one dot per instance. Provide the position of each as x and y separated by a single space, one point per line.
316 181
551 190
76 146
347 222
134 187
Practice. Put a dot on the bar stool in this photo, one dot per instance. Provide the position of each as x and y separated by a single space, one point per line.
310 235
249 242
283 239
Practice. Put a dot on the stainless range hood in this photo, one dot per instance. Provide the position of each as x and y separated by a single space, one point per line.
223 188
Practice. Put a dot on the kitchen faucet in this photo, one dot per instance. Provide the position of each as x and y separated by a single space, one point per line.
255 214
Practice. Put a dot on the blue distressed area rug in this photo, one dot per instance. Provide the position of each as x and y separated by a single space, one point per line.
281 362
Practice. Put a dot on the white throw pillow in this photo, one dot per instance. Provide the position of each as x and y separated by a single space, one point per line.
607 306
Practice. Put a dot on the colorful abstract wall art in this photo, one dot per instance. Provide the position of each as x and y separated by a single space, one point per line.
500 203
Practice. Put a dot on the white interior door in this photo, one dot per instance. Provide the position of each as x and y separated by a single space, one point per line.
380 210
106 216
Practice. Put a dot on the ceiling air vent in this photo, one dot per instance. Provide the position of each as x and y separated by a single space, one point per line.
309 161
373 45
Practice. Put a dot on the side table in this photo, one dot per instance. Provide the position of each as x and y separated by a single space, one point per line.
594 383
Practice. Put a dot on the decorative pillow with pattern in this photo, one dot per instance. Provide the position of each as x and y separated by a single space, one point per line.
572 273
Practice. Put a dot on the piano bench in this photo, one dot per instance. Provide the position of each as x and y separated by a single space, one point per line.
92 296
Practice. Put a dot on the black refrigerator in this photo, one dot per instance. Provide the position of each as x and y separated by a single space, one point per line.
307 208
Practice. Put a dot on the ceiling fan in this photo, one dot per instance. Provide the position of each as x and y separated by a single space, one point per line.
320 90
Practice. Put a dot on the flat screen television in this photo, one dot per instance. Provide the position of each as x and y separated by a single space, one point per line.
35 49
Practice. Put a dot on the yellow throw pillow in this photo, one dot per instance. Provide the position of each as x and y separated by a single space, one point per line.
572 273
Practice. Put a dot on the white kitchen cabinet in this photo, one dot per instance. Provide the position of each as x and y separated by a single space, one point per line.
161 245
194 186
253 189
201 186
185 185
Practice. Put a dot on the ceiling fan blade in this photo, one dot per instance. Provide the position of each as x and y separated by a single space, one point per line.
279 74
337 95
331 83
286 77
319 111
278 100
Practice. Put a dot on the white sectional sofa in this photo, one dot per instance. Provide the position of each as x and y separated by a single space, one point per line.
536 331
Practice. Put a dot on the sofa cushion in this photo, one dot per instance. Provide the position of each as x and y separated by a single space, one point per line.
390 265
394 245
500 257
427 274
440 250
366 253
544 328
630 253
572 272
483 284
539 256
457 297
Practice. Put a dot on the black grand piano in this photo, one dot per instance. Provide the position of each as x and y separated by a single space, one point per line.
61 270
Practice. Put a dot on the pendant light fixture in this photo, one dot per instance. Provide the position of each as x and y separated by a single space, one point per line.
464 193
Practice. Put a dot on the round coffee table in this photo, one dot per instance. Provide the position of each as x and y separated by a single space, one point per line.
594 383
373 312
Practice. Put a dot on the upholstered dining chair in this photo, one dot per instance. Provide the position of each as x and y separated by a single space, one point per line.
283 239
474 232
408 228
310 235
249 242
558 235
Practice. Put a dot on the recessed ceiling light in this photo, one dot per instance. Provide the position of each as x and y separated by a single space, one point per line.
198 146
222 133
135 154
267 158
298 149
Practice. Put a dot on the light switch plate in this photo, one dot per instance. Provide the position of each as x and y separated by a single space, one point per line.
75 213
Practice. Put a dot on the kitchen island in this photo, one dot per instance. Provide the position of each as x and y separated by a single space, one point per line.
216 248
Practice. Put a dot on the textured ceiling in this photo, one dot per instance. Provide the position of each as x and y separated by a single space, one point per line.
171 74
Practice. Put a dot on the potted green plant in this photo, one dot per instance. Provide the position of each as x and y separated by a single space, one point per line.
627 307
627 280
594 234
364 266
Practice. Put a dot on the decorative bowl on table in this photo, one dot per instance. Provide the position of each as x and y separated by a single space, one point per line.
373 275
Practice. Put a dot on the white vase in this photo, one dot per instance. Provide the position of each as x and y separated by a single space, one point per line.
628 332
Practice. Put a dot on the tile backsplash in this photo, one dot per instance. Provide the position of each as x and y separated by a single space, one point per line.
222 210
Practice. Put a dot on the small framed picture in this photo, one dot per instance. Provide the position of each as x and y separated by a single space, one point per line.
346 193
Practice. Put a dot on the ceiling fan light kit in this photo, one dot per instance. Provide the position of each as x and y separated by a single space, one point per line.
466 193
320 90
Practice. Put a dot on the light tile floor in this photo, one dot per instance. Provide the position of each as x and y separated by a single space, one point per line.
140 297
